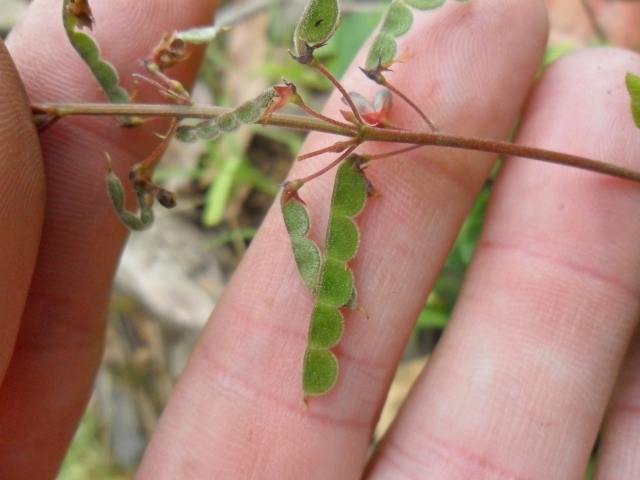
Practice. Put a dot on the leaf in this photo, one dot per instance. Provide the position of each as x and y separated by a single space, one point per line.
317 24
633 86
219 191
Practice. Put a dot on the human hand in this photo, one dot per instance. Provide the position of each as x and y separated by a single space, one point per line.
61 241
519 382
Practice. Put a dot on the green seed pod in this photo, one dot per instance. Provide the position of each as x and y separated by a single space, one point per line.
342 238
633 87
383 51
248 112
228 122
305 252
208 130
320 371
397 21
316 26
336 283
266 98
187 133
103 71
145 201
326 327
350 189
116 191
329 278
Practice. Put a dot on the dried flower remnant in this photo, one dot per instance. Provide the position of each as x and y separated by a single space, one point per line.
81 11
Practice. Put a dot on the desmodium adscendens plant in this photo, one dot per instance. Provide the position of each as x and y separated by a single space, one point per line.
325 273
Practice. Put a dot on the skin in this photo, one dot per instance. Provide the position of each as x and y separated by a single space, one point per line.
542 347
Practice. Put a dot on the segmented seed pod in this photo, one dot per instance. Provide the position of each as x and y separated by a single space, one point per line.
88 49
330 278
247 112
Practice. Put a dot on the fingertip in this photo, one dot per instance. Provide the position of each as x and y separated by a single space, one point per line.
21 202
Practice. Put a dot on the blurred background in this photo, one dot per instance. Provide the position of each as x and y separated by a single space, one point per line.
171 276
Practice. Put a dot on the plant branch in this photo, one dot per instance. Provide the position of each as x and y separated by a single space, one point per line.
367 133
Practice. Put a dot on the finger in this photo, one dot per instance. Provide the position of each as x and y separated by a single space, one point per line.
238 407
519 382
21 203
60 341
620 441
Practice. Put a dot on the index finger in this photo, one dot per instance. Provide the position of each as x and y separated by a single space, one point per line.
238 407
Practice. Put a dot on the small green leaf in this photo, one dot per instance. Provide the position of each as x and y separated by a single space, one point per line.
326 327
218 193
319 372
398 19
317 24
425 4
633 86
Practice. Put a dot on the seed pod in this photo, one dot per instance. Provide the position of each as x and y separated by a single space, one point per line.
316 26
248 112
88 49
329 278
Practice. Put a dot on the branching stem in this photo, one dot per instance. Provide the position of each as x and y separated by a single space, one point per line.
324 170
367 133
303 106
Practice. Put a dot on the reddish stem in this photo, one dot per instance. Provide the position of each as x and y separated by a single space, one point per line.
335 148
432 125
330 166
318 66
320 116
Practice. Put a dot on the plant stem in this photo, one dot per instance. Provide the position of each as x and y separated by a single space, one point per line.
367 133
321 68
502 148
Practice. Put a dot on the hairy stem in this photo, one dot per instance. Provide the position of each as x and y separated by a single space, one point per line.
367 133
321 68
